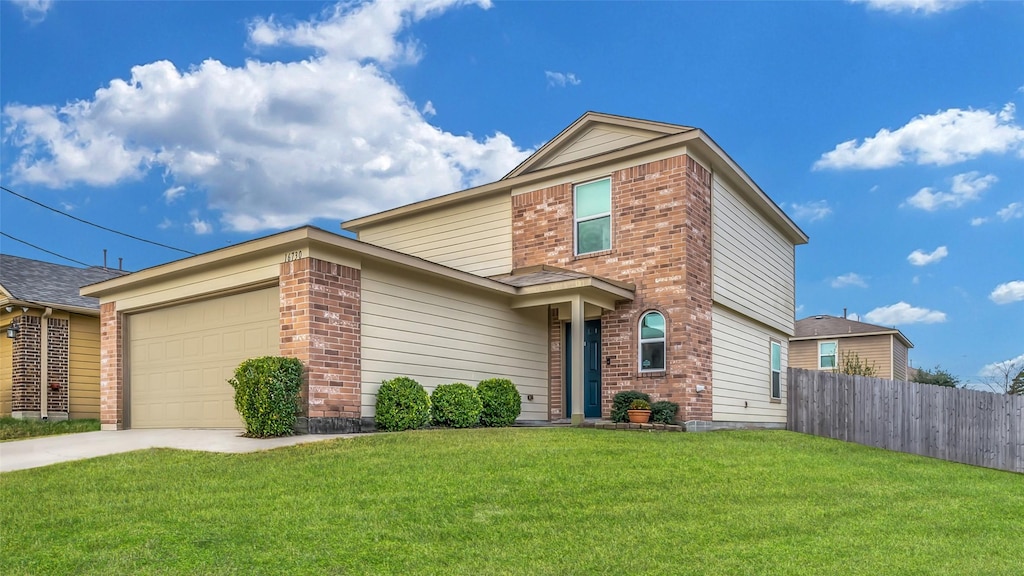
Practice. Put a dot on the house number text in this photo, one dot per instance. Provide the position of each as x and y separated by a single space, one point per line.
291 256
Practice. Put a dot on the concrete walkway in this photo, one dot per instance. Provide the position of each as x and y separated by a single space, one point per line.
35 452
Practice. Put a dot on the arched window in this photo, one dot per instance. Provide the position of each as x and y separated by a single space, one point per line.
652 342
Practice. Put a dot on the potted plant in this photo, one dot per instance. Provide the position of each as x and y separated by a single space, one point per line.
639 411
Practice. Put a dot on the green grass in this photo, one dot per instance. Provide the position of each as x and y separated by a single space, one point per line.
13 429
517 501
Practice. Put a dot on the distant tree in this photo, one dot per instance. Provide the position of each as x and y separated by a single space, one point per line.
1017 385
852 364
1000 377
936 376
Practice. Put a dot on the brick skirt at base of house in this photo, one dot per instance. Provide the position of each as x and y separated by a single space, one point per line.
51 416
337 425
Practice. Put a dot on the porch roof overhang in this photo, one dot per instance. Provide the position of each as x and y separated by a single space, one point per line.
548 285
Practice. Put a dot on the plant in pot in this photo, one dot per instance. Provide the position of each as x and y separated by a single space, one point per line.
639 411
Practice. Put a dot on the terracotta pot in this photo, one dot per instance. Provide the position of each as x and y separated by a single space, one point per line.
639 416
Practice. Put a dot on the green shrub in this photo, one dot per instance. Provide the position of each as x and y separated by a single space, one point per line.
639 404
456 405
501 402
664 412
267 395
402 404
621 402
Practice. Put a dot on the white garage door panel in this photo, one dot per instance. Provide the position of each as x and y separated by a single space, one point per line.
182 357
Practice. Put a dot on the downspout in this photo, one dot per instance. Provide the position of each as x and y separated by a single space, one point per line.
44 344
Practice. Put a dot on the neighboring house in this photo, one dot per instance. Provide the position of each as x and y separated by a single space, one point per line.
823 342
50 346
623 254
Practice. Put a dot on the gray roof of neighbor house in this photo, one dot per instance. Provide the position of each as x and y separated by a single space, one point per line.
54 285
825 326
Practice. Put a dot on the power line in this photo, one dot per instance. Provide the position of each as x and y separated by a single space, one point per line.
62 213
6 235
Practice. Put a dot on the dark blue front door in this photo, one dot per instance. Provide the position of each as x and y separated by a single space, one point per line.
591 369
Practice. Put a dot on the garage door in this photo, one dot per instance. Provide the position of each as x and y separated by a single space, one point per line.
181 358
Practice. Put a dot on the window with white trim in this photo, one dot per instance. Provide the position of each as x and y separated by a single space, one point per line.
776 361
592 213
827 355
652 342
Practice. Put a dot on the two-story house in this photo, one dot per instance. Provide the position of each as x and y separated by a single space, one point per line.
623 254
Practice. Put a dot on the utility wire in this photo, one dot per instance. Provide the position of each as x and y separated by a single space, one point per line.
8 190
6 235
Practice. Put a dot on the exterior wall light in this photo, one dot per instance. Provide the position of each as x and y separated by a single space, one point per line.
12 330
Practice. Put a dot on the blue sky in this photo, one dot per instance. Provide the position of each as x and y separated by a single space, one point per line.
890 131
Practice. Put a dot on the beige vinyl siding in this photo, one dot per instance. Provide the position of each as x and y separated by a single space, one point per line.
6 367
899 359
872 350
598 140
753 264
803 354
84 367
440 333
474 236
741 369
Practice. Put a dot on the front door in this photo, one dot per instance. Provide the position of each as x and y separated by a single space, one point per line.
591 369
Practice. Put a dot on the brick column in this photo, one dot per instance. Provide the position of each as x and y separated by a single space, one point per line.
320 325
697 352
111 367
57 369
25 364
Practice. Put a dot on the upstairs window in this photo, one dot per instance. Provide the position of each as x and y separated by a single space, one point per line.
592 203
652 342
776 383
827 355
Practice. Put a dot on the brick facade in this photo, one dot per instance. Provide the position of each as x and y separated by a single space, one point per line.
320 325
111 367
26 367
661 242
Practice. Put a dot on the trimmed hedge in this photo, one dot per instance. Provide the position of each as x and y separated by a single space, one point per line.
664 412
621 402
267 395
501 401
456 405
402 404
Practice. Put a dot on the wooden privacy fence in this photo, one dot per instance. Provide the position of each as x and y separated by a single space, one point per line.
956 424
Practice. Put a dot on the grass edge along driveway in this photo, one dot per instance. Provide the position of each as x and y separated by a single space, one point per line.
517 501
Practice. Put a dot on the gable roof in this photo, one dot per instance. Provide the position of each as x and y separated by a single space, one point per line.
536 169
592 134
824 326
47 284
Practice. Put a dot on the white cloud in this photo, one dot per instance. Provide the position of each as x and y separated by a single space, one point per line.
966 187
991 370
428 109
946 137
903 313
851 279
853 316
198 225
165 224
1012 211
34 11
920 258
67 206
810 211
978 221
1008 292
173 193
561 79
915 6
267 155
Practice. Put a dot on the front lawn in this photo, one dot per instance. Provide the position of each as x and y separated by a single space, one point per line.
14 429
517 501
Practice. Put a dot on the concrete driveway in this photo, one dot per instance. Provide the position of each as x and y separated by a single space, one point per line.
35 452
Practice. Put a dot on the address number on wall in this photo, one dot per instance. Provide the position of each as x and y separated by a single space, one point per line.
291 256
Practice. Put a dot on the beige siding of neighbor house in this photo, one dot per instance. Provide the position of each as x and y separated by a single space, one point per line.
872 350
439 333
804 354
741 369
473 236
84 367
6 369
753 263
599 140
899 359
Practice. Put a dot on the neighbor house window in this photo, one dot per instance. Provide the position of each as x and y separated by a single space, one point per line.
593 216
652 342
776 371
826 355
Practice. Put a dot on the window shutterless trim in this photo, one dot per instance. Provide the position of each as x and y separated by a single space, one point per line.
640 341
835 355
772 370
576 220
